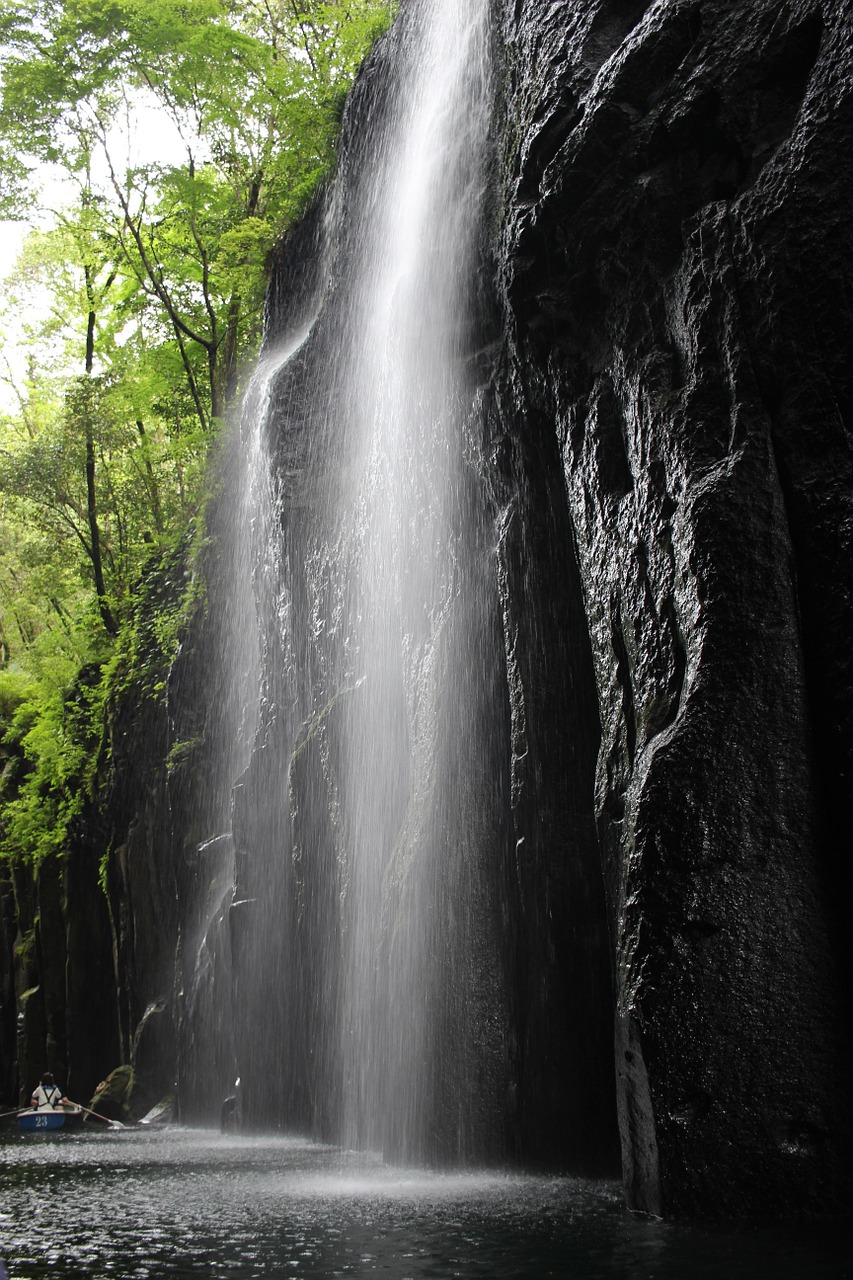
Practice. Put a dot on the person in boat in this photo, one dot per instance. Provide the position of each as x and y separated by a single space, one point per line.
48 1095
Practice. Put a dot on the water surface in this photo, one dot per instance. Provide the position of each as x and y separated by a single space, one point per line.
143 1203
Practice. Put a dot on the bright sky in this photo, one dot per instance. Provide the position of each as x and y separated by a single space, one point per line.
12 359
11 238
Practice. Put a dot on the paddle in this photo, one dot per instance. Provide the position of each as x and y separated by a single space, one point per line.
16 1112
117 1124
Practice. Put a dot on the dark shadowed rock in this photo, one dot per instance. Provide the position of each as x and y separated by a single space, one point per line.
673 263
8 1009
114 1096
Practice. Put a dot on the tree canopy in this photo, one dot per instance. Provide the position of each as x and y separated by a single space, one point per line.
183 139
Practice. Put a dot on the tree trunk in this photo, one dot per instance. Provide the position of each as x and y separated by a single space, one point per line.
153 488
229 354
91 491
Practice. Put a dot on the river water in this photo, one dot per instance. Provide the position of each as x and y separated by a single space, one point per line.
179 1202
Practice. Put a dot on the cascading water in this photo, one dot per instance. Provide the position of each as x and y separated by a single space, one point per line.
368 930
416 948
417 971
242 523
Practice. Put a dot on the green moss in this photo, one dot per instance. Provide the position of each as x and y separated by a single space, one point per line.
113 1096
24 950
182 752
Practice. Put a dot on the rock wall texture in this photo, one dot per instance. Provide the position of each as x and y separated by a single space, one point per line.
674 243
57 976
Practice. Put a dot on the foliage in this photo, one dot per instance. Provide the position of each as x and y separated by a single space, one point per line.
51 746
135 307
249 90
55 719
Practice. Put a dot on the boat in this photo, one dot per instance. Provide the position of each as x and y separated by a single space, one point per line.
44 1119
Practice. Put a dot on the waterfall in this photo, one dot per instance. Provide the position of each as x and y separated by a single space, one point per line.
239 574
405 523
368 933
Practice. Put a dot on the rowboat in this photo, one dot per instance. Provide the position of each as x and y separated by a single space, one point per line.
36 1120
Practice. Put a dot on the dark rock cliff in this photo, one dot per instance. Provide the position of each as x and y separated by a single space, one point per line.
674 249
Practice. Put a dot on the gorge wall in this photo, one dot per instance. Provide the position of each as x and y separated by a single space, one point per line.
662 453
674 243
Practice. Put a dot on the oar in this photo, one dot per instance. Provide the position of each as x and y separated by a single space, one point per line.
117 1124
16 1112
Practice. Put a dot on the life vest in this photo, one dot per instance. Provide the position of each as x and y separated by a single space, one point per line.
47 1095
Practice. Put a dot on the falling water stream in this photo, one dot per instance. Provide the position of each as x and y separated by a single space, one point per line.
406 520
371 961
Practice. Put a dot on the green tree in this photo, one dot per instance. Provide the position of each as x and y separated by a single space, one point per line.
157 268
137 304
252 89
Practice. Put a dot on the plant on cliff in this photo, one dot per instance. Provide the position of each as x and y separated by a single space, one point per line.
55 717
50 747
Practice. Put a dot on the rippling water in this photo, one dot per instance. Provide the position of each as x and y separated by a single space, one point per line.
141 1203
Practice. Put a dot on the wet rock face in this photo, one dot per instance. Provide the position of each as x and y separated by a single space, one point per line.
672 261
8 922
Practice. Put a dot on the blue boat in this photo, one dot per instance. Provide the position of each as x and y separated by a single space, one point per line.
44 1120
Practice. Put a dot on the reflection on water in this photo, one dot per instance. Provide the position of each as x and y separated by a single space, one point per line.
141 1203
